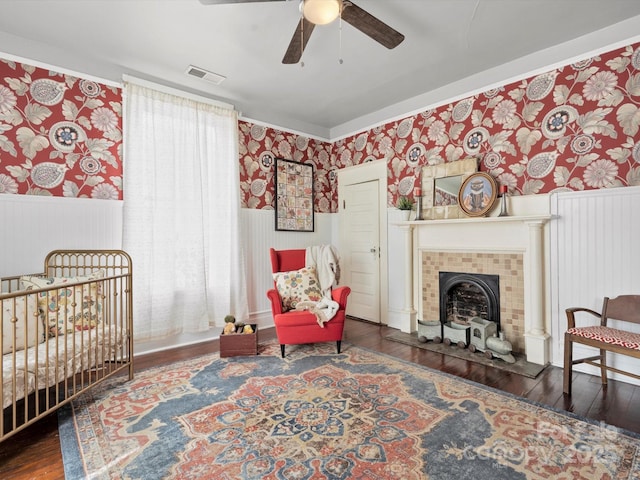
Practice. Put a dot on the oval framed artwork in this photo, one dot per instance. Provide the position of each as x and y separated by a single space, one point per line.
477 194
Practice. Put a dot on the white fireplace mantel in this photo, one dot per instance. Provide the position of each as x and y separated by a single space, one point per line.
524 234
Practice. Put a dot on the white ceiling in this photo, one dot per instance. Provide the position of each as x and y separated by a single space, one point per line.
446 42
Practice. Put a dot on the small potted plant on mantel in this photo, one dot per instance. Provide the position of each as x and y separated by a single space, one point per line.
405 205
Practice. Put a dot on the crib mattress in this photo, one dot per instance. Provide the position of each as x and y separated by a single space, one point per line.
56 359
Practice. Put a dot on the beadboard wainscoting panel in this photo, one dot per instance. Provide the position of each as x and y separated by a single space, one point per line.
594 253
258 230
32 226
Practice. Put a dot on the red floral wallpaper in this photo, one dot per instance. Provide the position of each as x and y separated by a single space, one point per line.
59 135
259 147
572 128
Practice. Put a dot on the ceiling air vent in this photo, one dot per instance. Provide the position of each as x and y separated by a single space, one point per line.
205 75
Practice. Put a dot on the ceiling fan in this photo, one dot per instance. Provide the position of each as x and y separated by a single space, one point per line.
322 12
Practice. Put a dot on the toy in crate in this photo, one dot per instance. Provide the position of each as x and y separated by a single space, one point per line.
485 339
457 333
238 339
429 330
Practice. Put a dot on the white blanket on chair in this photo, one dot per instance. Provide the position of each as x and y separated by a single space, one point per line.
324 310
327 263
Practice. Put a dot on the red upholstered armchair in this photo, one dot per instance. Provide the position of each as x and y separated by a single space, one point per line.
297 327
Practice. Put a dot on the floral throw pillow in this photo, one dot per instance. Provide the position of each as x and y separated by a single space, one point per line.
21 323
67 306
298 286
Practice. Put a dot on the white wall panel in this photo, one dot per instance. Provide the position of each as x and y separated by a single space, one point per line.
397 271
32 226
260 235
594 253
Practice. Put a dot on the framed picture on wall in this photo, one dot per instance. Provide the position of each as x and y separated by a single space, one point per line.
294 196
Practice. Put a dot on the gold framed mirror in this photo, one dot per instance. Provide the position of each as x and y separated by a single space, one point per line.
440 187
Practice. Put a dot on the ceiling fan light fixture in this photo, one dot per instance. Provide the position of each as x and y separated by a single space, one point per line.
321 12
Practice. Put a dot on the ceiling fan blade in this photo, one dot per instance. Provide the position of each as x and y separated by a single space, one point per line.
223 2
371 26
298 43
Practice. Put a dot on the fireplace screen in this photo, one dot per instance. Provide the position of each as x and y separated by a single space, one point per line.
466 295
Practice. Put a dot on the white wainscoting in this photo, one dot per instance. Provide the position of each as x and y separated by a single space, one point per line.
32 226
259 232
594 253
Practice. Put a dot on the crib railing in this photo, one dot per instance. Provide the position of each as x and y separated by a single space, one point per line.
64 336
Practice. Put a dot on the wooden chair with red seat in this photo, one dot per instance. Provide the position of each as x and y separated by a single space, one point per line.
295 327
625 308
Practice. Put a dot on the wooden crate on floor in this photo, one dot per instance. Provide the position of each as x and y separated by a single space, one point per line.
237 344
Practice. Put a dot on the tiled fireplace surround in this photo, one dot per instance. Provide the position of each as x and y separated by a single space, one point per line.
508 267
515 248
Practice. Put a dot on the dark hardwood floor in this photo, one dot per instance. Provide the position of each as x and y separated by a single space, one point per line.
35 452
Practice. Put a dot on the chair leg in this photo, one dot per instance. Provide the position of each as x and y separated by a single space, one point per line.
603 366
282 350
338 343
568 365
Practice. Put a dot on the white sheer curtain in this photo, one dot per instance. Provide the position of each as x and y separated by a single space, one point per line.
181 213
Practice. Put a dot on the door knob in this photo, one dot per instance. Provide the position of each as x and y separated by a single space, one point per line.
373 250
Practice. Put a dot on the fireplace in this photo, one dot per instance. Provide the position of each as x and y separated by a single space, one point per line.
506 294
464 296
512 247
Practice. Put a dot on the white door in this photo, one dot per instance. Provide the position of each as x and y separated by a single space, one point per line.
360 225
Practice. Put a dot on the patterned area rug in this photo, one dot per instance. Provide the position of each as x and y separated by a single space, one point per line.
318 415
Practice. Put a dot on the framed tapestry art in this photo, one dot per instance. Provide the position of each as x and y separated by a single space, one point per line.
294 196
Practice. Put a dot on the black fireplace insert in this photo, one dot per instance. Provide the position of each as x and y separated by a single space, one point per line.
467 295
